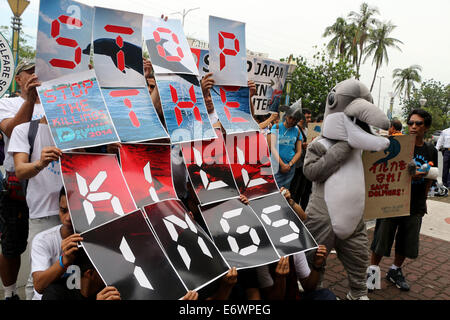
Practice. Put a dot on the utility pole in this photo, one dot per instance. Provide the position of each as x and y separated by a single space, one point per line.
379 91
184 13
17 8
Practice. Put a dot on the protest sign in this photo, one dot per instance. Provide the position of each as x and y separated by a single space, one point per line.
249 158
117 41
168 47
119 69
232 105
201 57
227 52
314 130
6 65
238 234
148 172
388 184
184 108
127 255
96 189
64 38
269 77
210 172
194 255
286 231
75 111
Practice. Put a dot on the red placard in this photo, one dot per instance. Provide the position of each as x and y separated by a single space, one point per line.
250 162
148 172
96 189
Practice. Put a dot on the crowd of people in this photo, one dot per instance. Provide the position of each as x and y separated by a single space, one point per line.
35 221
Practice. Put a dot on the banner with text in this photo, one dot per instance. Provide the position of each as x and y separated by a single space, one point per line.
168 47
269 77
127 255
227 52
210 172
232 105
238 234
75 111
388 184
119 68
184 108
148 172
194 255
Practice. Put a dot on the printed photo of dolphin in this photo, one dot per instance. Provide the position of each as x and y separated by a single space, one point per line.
108 47
159 61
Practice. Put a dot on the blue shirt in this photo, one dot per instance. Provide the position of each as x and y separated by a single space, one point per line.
287 139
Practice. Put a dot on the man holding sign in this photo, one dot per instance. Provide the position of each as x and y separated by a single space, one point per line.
14 212
406 229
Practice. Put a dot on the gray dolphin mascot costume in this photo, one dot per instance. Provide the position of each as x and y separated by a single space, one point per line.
333 162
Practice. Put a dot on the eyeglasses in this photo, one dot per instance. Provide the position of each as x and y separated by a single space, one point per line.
418 123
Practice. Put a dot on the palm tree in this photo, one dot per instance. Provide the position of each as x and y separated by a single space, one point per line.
352 43
364 20
404 79
337 45
378 43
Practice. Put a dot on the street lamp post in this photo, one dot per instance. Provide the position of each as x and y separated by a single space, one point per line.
379 91
17 8
391 104
184 13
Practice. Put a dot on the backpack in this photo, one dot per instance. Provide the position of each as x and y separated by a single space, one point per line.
32 131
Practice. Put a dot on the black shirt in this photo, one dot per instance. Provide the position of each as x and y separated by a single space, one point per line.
424 154
59 291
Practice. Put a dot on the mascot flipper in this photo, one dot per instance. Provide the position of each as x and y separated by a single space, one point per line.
333 162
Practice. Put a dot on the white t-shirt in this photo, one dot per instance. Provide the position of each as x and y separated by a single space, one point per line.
43 189
213 117
8 109
301 265
45 251
301 269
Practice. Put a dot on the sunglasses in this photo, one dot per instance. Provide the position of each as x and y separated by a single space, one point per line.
418 123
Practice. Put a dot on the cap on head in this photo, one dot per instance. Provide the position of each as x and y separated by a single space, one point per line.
24 65
295 110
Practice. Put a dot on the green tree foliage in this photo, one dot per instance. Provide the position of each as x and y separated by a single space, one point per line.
313 79
25 50
438 103
378 44
404 79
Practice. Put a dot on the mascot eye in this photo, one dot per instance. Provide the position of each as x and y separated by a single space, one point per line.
332 99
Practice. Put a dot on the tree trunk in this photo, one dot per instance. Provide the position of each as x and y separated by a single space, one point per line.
374 77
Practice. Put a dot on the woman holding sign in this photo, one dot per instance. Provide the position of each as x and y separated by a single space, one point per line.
285 143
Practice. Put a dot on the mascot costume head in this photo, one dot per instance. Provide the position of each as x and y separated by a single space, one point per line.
349 113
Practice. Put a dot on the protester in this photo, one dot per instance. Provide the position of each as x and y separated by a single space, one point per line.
91 285
266 121
406 230
309 278
53 250
443 144
14 210
42 169
285 144
300 186
396 128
